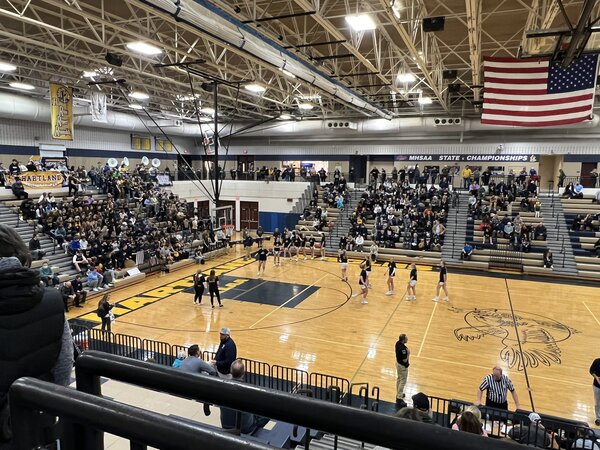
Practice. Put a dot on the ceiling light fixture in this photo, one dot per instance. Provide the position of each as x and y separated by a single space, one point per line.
361 22
306 106
21 86
135 106
406 78
187 98
425 101
6 67
144 48
90 73
285 117
209 111
255 88
287 73
139 95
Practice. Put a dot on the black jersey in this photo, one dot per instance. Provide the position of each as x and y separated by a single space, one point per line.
213 285
199 280
311 242
343 258
363 277
413 274
391 268
262 254
368 266
443 274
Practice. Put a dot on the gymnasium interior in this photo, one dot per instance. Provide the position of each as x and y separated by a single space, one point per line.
299 224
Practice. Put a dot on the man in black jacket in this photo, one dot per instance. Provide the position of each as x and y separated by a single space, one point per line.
226 354
35 335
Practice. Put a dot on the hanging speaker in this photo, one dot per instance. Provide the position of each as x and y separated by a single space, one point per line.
145 161
432 24
156 163
449 74
113 59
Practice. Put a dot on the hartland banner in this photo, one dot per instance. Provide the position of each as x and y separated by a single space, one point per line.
39 180
470 158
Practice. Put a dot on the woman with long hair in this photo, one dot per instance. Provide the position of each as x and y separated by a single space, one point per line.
105 313
199 282
442 283
213 288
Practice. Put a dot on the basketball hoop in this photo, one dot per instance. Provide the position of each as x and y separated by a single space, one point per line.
228 229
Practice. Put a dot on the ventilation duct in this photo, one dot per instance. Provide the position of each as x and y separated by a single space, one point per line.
19 107
206 18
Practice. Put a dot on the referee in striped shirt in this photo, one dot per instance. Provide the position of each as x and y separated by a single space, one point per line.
497 387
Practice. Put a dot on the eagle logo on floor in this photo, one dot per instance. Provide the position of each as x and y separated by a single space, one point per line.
529 339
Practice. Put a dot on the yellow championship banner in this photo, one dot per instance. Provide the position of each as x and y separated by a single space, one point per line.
61 110
39 180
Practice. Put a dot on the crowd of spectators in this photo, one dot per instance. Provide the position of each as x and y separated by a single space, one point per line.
493 201
410 217
135 220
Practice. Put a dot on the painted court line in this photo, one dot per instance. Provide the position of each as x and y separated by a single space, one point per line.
593 315
281 306
427 329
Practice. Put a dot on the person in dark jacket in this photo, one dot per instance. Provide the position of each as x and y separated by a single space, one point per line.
35 335
104 312
226 354
248 423
18 189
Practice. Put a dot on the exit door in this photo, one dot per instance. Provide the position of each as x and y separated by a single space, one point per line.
587 181
358 169
249 215
245 167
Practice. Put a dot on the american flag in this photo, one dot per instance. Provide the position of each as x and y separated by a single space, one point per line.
538 93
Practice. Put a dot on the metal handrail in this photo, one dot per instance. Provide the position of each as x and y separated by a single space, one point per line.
361 425
140 426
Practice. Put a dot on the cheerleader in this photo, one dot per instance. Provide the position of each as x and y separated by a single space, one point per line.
363 282
391 274
411 288
277 244
261 255
322 247
367 264
199 282
287 245
343 260
213 288
311 245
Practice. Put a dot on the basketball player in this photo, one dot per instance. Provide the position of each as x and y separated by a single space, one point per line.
442 283
261 255
391 274
363 282
277 245
411 287
343 259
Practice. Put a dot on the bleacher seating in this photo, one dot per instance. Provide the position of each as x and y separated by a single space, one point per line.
583 240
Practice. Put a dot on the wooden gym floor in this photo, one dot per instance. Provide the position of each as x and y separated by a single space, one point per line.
302 315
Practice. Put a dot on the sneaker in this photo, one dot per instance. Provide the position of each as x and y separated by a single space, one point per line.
95 289
220 305
389 293
213 306
364 302
435 299
322 259
305 258
446 299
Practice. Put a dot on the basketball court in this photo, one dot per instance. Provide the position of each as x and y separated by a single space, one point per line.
302 315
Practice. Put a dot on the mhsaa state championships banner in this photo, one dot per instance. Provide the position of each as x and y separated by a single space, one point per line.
39 180
61 111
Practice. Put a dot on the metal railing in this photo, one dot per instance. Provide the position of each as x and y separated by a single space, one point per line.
258 373
353 423
82 414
